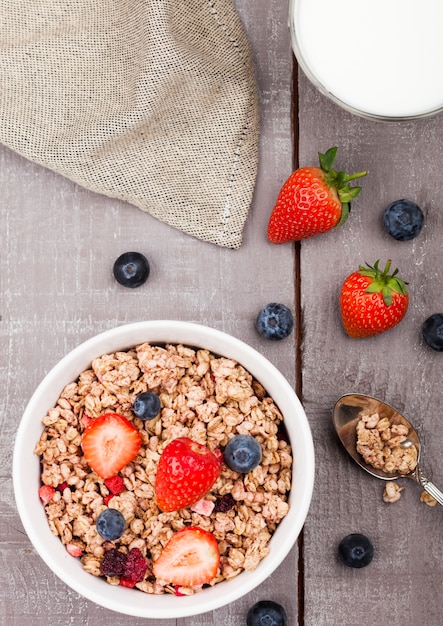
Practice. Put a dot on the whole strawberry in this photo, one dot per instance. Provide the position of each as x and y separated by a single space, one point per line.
186 472
372 301
312 201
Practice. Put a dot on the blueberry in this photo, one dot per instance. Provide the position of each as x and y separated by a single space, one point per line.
275 321
146 406
131 269
242 453
266 613
356 550
432 331
110 524
403 220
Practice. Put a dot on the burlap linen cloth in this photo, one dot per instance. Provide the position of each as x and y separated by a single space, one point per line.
150 101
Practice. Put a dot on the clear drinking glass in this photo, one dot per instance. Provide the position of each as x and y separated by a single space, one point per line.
381 59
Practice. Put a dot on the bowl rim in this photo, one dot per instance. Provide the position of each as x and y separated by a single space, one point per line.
32 515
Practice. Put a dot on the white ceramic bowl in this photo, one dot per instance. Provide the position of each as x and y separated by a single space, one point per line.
26 469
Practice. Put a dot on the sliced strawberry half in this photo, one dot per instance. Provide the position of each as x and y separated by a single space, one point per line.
109 443
191 557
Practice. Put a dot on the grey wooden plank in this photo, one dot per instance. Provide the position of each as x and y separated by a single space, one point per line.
59 242
401 586
47 601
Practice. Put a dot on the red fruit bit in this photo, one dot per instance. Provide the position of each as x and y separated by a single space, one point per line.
73 550
135 566
203 507
224 504
115 485
113 563
127 583
46 493
107 498
177 592
62 486
131 567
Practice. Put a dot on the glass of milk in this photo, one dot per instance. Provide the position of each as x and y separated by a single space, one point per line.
382 59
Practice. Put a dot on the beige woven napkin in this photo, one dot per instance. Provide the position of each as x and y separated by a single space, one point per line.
150 101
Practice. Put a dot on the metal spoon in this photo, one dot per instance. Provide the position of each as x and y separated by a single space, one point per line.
346 414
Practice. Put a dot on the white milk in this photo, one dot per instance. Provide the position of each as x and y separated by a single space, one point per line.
382 58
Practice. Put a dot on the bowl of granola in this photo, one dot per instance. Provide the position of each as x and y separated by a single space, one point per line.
163 469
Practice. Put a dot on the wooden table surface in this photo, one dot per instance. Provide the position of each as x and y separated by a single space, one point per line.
59 242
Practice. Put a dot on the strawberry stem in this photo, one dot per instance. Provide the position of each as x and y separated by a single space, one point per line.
339 181
355 176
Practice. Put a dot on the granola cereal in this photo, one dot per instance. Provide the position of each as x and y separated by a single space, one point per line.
392 492
426 498
379 442
204 397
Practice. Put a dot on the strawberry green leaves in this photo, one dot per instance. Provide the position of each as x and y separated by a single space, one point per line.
340 181
383 282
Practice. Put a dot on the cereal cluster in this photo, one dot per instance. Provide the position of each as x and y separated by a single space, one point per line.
379 442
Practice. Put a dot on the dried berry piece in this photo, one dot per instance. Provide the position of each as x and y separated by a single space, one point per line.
177 591
61 487
126 582
74 550
46 493
224 504
131 567
115 485
113 563
135 568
